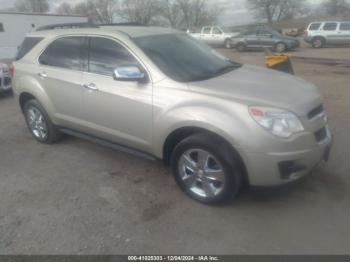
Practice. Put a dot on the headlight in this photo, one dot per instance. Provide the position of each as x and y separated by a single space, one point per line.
278 122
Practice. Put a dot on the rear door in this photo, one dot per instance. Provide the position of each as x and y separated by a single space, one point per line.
344 30
265 39
60 73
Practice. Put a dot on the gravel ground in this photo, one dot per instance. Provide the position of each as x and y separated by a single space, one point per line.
76 197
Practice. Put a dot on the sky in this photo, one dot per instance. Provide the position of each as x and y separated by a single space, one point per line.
235 10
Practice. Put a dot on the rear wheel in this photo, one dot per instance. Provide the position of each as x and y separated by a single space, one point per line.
318 42
205 169
280 47
39 123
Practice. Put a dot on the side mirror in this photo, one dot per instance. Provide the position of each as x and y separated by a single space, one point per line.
128 73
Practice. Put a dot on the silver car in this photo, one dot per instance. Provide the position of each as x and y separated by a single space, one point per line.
320 34
162 94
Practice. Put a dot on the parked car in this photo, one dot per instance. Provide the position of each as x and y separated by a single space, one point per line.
320 34
160 93
5 80
215 35
261 38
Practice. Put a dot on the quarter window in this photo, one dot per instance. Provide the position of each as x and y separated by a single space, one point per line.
330 26
345 26
1 28
28 44
314 27
67 52
106 55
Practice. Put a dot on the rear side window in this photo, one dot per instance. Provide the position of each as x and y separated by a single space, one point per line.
1 28
330 26
314 27
345 26
68 52
106 55
28 44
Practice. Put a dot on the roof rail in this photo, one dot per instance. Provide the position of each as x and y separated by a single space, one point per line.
122 24
66 26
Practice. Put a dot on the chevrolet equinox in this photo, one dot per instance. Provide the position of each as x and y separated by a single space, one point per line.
158 92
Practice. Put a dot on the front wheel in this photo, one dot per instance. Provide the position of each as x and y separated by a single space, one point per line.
205 169
241 47
228 44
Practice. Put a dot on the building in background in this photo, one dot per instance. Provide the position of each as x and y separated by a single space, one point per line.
14 27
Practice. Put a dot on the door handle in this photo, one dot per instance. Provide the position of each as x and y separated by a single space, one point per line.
91 87
42 75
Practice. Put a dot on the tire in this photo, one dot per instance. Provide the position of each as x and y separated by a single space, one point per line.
39 123
228 44
241 47
213 181
280 47
318 42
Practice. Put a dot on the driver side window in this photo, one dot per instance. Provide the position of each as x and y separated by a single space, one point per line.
106 55
217 31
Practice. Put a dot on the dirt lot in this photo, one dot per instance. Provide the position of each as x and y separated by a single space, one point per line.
77 197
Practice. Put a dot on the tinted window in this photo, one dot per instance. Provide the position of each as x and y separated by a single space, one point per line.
106 55
67 52
217 31
1 27
330 26
207 30
314 26
184 58
27 45
265 33
345 26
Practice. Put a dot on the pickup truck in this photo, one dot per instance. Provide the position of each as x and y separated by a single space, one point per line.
215 35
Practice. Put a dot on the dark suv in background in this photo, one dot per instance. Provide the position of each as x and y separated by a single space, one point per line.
261 38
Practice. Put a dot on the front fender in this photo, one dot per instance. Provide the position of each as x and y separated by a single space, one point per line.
227 125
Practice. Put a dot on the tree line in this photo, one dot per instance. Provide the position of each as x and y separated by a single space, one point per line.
183 13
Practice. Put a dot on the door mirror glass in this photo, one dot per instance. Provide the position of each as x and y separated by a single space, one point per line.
128 73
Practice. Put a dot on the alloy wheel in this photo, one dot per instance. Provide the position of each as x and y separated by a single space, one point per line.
37 123
201 173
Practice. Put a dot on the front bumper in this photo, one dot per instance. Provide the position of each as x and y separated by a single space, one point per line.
274 169
5 84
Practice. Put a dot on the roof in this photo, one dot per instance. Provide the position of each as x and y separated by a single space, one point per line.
131 31
36 14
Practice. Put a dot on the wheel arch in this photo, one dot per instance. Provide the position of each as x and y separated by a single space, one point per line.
178 135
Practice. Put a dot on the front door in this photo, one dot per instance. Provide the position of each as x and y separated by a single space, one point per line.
116 110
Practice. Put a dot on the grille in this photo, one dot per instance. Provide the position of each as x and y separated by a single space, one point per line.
315 112
321 134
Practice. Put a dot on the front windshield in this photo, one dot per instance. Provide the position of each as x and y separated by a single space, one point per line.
184 58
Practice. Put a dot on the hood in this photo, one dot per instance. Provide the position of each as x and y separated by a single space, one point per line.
258 86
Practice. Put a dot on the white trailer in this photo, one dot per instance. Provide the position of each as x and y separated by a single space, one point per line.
14 27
